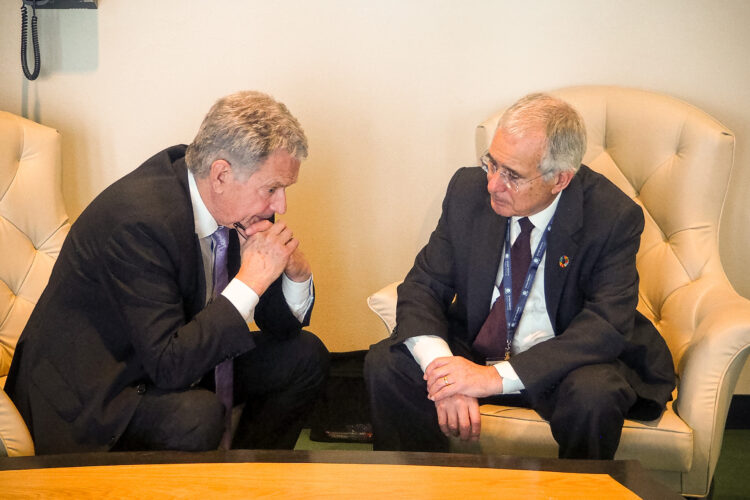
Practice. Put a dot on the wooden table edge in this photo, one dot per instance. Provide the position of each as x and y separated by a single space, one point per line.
629 473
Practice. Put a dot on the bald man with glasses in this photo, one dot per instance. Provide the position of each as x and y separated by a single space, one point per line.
525 295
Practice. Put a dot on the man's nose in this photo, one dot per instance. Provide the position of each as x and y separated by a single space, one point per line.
495 182
278 201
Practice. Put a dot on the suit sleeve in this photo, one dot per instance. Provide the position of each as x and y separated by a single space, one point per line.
597 333
272 315
428 289
142 274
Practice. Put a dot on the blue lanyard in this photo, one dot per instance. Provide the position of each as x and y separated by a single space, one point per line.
513 315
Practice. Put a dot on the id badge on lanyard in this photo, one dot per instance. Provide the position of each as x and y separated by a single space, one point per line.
513 314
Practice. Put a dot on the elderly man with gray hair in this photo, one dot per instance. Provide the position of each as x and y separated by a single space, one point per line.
140 341
525 295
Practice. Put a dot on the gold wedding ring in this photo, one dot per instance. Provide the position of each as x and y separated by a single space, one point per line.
445 379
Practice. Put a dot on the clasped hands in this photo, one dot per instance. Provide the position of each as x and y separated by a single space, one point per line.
269 248
454 383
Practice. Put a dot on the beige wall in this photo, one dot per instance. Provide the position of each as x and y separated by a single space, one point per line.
389 93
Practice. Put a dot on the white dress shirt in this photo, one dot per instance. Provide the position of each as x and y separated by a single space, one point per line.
534 326
299 296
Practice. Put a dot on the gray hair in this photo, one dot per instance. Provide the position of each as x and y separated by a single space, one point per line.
563 128
245 128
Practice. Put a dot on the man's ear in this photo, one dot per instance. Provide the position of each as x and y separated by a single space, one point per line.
219 175
562 181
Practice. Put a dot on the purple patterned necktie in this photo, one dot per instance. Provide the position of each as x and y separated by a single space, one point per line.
224 371
492 338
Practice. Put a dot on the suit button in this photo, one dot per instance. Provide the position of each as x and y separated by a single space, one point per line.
141 388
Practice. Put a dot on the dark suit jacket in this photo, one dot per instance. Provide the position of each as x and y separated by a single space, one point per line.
125 310
591 302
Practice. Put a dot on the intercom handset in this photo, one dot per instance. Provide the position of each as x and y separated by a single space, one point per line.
34 37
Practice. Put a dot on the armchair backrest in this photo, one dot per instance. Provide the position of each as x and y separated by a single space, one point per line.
675 161
33 222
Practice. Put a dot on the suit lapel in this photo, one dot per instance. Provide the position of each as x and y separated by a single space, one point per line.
484 262
200 278
562 249
179 170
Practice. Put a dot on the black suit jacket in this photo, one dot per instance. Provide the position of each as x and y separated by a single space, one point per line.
591 302
125 310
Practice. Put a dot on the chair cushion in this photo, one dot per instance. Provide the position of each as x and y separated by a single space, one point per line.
662 444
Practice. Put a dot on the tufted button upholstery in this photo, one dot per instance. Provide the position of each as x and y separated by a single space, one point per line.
33 225
675 161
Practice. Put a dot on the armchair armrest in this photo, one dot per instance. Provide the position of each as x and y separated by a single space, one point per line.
383 303
15 440
708 364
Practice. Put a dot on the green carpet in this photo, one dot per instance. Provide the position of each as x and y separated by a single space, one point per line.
732 476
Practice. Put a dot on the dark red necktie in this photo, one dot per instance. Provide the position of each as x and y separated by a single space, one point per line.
224 371
492 339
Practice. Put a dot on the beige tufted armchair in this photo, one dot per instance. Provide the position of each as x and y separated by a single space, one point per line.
33 225
675 161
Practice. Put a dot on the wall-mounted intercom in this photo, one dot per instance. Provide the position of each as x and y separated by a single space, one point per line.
64 4
42 4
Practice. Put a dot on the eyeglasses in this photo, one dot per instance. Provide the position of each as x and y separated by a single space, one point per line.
509 178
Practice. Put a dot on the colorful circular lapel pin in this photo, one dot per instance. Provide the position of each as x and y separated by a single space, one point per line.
564 261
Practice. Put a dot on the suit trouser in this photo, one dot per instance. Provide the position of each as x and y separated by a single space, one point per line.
585 410
279 381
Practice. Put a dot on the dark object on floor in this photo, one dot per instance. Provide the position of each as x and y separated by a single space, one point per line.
343 411
739 412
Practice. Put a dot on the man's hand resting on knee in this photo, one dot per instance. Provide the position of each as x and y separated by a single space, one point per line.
458 415
454 383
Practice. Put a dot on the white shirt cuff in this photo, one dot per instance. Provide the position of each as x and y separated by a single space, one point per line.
299 296
426 348
511 383
242 297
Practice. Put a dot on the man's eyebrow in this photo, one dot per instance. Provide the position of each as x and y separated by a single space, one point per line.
501 165
506 167
276 183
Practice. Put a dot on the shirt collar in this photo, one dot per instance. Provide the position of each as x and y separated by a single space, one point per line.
205 224
541 219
